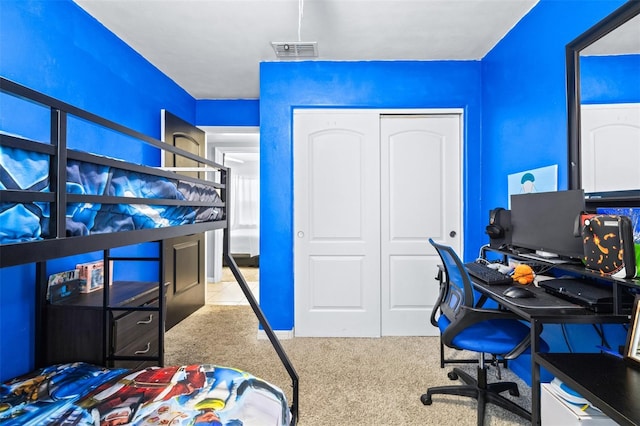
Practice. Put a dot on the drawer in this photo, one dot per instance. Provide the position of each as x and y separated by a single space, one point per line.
144 345
133 326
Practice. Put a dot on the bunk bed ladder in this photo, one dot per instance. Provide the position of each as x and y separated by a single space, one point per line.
108 323
225 178
231 263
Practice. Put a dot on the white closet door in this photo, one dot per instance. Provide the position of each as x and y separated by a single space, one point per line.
420 196
369 190
337 223
610 147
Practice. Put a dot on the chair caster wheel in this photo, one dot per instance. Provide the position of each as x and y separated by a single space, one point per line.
425 399
452 375
514 392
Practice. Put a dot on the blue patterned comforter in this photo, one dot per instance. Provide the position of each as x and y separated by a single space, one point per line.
29 171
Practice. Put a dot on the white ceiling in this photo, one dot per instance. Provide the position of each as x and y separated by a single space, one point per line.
212 48
624 40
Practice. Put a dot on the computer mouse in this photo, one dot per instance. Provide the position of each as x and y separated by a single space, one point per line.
518 292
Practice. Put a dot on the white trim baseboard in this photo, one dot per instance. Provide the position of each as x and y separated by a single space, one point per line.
280 334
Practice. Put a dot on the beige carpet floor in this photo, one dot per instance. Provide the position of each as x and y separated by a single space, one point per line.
250 274
343 381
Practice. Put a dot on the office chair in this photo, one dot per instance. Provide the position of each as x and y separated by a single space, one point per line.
465 326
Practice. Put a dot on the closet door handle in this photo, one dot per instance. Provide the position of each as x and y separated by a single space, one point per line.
148 321
145 351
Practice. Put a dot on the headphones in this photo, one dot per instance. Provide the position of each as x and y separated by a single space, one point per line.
494 230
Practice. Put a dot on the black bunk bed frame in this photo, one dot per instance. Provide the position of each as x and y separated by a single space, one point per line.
59 245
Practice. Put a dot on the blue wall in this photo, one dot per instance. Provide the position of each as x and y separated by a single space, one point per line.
610 79
228 112
57 48
395 84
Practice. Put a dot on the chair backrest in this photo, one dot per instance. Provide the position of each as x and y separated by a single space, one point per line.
457 289
458 305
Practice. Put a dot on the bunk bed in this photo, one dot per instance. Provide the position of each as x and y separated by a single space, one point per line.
57 202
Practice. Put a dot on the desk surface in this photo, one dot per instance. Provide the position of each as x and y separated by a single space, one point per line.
544 306
606 381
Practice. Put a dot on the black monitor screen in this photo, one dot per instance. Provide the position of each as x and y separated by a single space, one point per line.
545 222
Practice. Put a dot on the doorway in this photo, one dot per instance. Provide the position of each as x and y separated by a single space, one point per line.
370 188
239 149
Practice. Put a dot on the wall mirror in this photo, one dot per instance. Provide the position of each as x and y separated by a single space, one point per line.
603 95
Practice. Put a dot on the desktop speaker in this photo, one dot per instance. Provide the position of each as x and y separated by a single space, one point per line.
499 227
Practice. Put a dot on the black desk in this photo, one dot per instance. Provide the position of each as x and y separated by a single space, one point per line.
546 308
604 380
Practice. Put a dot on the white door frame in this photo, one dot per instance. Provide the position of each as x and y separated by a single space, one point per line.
218 140
458 241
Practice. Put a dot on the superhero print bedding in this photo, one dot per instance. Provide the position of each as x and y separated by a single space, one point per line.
85 394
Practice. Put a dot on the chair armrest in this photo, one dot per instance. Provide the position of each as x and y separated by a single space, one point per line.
480 314
443 288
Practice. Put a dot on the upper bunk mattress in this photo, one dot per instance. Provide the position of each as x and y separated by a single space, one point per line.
22 170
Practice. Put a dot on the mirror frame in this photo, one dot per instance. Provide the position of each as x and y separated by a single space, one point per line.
632 347
618 17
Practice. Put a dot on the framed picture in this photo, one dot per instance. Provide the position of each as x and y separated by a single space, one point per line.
632 348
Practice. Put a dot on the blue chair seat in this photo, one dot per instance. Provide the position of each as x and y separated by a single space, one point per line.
500 336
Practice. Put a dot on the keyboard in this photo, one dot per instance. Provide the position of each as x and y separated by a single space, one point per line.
487 275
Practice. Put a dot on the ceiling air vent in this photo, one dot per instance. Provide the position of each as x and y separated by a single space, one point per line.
295 49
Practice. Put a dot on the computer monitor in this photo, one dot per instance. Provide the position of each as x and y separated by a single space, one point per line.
545 222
